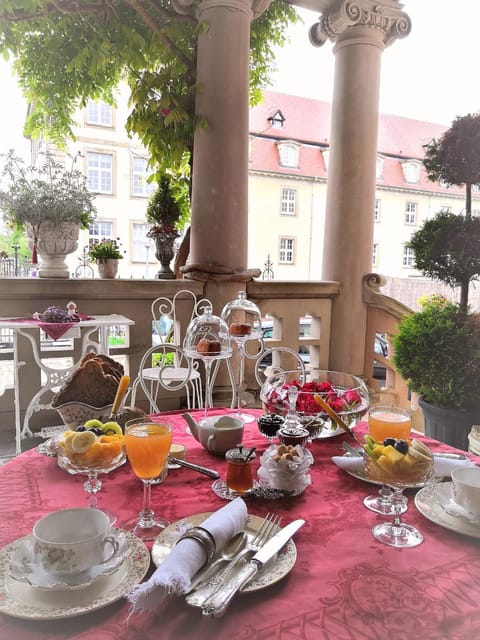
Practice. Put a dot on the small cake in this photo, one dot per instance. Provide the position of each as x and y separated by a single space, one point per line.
207 346
240 329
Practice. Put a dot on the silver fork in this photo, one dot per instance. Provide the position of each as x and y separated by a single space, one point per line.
202 594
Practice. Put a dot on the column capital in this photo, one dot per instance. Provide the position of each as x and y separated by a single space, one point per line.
383 15
254 7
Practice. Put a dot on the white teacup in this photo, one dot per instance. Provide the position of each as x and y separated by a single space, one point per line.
466 489
71 541
219 434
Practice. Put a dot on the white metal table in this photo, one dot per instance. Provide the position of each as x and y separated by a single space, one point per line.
84 330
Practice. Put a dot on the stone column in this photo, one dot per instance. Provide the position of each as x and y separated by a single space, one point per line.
361 30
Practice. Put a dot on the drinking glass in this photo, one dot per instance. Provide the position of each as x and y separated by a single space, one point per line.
386 421
147 445
397 533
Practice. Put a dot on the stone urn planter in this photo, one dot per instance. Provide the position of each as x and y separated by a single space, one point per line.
164 253
108 268
55 241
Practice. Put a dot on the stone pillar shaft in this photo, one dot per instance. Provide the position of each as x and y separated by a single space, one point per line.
220 172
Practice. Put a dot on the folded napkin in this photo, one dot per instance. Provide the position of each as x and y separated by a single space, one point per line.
174 575
443 467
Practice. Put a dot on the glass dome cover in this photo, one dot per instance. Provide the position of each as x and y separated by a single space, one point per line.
243 318
207 336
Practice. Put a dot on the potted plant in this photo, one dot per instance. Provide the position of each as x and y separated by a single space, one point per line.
106 253
437 350
167 212
52 203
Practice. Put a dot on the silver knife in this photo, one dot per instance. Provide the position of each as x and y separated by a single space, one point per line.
220 600
195 467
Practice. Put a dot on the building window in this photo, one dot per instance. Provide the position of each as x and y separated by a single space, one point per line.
411 172
408 257
445 209
375 254
287 251
100 229
326 156
99 113
100 172
288 155
289 199
379 168
376 211
475 213
140 186
411 213
141 242
277 120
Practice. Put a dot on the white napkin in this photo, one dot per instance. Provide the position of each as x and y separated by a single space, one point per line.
443 467
174 575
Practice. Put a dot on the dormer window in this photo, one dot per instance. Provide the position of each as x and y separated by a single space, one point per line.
411 172
379 168
326 156
277 120
288 154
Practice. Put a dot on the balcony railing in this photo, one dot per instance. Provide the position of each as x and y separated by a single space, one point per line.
285 303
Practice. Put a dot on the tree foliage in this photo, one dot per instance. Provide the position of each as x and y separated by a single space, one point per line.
68 52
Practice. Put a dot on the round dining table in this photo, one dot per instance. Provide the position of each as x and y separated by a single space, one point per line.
344 585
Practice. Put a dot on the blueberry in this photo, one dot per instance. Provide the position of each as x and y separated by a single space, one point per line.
389 442
401 446
96 430
81 428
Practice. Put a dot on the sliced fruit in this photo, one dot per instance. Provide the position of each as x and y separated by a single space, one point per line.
93 423
114 427
66 442
392 454
81 441
419 446
418 455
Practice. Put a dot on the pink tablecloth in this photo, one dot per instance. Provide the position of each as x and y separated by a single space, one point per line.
344 585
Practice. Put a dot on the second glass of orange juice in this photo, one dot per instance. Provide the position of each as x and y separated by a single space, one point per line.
386 421
147 445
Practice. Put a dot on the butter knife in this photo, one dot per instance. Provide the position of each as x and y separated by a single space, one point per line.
195 467
220 600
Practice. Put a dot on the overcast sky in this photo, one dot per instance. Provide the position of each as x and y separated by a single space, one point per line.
430 75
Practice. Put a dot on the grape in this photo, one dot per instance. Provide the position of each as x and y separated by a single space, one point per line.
96 430
401 446
81 428
389 442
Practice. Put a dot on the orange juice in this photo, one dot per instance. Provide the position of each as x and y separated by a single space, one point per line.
147 445
389 422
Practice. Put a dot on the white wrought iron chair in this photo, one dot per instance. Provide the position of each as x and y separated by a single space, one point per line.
165 366
269 361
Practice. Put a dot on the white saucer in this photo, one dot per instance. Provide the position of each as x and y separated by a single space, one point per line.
21 600
24 568
431 502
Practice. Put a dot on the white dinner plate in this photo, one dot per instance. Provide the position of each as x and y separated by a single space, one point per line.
20 600
431 502
271 573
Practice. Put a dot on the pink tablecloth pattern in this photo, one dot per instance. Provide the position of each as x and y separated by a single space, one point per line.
54 330
344 585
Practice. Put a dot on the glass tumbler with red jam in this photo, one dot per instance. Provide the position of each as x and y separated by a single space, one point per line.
240 468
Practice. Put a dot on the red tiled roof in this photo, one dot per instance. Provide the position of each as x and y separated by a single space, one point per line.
307 121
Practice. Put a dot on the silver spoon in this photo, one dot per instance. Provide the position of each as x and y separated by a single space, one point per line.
233 547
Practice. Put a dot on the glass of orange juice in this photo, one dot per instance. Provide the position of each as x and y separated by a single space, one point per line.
147 445
387 421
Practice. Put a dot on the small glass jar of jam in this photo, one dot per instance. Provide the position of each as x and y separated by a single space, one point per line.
269 424
240 468
293 436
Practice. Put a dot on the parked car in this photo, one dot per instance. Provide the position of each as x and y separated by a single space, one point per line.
304 331
381 347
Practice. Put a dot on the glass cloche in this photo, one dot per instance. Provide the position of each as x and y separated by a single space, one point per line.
243 318
207 337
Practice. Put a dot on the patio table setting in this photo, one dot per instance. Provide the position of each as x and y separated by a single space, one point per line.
332 579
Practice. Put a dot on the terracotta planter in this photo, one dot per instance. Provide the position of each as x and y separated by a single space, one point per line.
451 426
55 241
107 268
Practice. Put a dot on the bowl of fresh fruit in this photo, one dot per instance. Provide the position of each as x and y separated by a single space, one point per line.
74 414
93 445
398 462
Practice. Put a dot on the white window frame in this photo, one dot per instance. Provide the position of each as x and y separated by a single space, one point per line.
445 208
411 210
411 172
288 154
408 258
289 202
376 210
379 168
140 186
100 172
326 157
286 254
375 254
99 114
99 229
140 243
